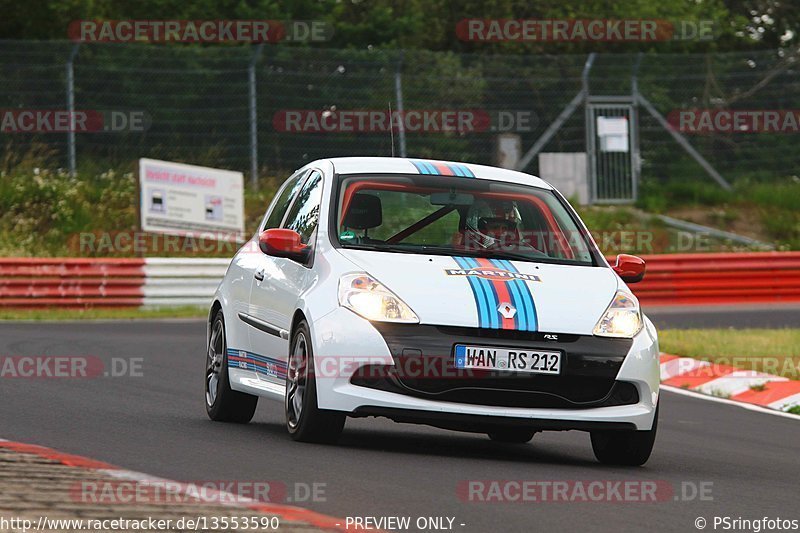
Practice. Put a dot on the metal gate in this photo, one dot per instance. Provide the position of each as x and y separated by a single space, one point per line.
612 144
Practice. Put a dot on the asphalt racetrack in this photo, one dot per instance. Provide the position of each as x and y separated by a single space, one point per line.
745 461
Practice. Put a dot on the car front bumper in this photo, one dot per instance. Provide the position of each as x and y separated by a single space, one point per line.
346 344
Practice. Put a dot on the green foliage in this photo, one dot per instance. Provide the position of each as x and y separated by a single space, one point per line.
680 192
40 211
776 203
430 24
43 213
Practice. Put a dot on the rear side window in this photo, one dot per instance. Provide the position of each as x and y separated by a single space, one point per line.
304 214
284 199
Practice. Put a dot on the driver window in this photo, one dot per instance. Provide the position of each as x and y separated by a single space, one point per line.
284 198
304 213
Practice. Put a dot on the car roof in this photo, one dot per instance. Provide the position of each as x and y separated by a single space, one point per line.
403 165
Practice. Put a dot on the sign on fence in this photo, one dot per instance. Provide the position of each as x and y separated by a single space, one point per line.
191 201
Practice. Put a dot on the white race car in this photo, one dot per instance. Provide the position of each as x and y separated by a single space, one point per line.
456 295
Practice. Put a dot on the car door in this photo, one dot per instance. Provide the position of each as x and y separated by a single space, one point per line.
248 261
278 283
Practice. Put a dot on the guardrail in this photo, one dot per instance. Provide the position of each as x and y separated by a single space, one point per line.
671 279
178 281
720 278
110 282
62 282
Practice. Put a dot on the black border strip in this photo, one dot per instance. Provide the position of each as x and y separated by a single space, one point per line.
261 325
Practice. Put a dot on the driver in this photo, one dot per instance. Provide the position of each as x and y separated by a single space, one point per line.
493 225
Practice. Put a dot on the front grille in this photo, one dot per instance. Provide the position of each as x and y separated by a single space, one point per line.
423 357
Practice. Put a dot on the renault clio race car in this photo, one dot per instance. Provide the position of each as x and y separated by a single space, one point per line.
456 295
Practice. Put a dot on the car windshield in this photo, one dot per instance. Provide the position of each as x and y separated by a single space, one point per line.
458 216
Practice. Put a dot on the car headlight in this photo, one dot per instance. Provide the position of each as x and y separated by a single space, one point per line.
364 295
623 318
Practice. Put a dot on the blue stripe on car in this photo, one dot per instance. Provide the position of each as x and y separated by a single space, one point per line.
491 296
256 362
467 172
426 167
423 169
477 293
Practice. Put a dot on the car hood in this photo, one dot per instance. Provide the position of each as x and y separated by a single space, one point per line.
473 292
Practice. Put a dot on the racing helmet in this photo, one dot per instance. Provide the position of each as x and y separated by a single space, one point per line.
489 224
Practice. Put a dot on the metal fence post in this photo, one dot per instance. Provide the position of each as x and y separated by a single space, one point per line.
554 126
635 135
251 74
398 91
589 126
71 110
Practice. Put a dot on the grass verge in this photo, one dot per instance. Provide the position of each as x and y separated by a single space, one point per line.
127 313
775 351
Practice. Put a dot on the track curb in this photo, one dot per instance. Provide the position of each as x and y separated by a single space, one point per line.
292 514
728 382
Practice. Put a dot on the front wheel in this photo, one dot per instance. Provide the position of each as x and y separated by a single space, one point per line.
305 421
627 448
224 404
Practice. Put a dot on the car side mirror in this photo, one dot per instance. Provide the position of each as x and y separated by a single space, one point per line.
630 268
283 243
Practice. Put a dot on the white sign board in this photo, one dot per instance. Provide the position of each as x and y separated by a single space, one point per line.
191 201
613 133
509 150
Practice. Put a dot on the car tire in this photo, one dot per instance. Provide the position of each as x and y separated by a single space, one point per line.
512 435
224 404
305 421
627 448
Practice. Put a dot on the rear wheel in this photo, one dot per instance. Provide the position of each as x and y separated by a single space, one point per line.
628 448
224 404
304 420
512 435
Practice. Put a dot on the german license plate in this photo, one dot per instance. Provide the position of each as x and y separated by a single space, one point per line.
532 361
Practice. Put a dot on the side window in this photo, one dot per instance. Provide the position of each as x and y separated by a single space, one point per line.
304 214
284 199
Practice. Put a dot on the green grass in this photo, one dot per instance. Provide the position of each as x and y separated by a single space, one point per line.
104 313
771 205
623 229
775 351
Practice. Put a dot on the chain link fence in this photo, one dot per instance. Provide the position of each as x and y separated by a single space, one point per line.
238 107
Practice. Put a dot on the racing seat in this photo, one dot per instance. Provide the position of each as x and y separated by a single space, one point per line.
365 212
